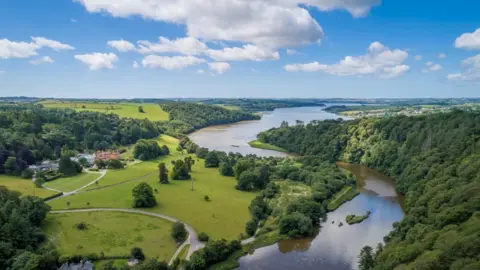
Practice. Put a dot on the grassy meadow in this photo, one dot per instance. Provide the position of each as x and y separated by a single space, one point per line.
112 233
224 216
344 195
127 110
67 184
24 186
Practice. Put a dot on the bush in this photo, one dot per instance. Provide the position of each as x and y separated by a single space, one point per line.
27 173
115 164
137 253
206 198
251 227
179 233
212 160
81 226
226 169
203 237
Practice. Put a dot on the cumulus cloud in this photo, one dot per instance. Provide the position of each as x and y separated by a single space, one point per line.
418 57
442 55
219 67
52 44
135 65
13 49
170 63
471 72
96 61
431 67
200 71
45 59
292 52
469 41
429 63
121 45
379 61
247 52
274 23
186 45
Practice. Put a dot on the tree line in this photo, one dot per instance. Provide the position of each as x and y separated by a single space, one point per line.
434 160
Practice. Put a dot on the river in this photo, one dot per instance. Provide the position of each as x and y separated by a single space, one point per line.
334 247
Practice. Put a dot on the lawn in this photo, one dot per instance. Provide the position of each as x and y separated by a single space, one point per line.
129 110
67 184
24 186
224 216
267 146
112 233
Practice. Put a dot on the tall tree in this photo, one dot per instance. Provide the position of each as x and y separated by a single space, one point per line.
162 173
143 196
366 260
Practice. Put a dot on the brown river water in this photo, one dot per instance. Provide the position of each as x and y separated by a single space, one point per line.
333 247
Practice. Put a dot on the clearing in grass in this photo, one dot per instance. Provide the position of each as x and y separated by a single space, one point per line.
224 216
24 186
112 233
152 112
67 184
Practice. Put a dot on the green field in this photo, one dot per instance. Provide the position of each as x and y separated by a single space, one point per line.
128 110
67 184
112 233
344 195
267 146
224 216
24 186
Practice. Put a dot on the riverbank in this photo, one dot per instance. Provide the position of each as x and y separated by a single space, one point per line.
345 195
261 145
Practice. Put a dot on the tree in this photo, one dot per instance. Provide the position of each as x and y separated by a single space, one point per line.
26 155
83 161
189 163
295 224
11 166
162 173
68 167
137 253
115 164
180 171
27 173
211 160
179 233
226 169
247 181
201 152
203 237
165 150
251 227
147 150
100 163
143 196
140 109
366 260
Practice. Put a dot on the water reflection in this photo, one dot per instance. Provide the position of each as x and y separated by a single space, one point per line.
335 247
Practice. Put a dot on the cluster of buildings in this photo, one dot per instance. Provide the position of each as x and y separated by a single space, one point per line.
98 155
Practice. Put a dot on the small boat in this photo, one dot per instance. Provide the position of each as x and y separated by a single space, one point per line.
340 224
233 145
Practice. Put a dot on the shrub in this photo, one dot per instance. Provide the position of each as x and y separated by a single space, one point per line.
206 198
137 253
81 226
251 227
27 173
203 237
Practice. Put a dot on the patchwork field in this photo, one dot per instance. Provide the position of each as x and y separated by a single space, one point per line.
68 184
128 110
224 216
24 186
112 233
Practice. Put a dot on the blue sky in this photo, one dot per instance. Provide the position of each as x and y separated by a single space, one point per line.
239 48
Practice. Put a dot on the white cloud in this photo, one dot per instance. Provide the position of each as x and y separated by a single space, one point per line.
471 72
73 20
52 44
442 55
247 52
96 61
186 45
432 67
292 52
418 57
219 67
121 45
273 23
170 63
200 71
470 41
12 49
135 65
379 61
45 59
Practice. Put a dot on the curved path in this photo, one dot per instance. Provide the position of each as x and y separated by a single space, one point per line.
192 235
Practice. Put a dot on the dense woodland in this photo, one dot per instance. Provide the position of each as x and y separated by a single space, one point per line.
256 105
31 134
435 160
201 115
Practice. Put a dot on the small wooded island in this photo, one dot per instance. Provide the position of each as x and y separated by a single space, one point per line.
353 219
